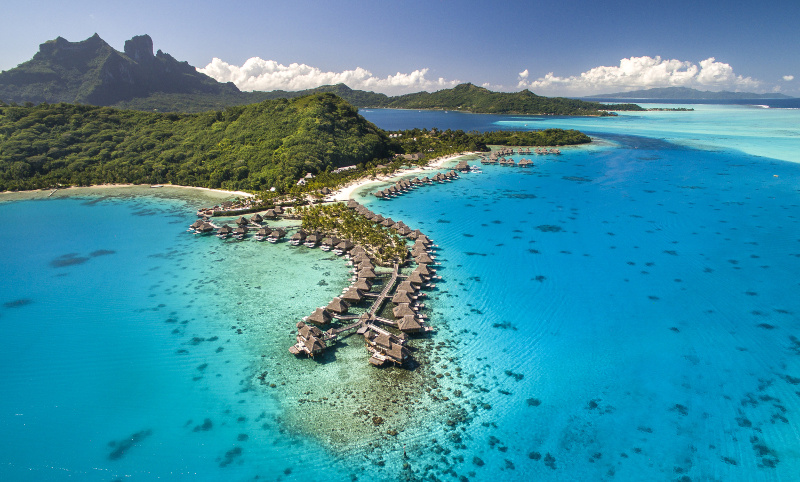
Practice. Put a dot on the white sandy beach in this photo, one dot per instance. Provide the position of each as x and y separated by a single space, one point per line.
112 189
347 191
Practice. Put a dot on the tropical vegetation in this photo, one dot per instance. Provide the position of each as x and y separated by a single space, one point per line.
261 148
384 245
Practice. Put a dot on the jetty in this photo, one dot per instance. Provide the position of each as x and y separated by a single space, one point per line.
358 310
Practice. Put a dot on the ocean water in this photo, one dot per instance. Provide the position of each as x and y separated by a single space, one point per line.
624 311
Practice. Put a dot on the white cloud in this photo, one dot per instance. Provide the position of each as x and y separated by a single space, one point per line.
643 73
266 75
788 78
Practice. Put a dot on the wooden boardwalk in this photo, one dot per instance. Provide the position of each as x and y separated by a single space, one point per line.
334 333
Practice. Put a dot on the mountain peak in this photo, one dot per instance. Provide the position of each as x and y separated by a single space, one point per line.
139 48
91 71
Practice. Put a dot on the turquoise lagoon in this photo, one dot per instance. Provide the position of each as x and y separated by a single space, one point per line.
624 311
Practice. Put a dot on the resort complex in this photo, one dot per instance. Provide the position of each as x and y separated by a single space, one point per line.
384 300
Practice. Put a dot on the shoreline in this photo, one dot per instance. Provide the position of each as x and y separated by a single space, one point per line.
346 193
110 188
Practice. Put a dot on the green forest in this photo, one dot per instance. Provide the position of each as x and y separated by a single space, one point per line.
250 148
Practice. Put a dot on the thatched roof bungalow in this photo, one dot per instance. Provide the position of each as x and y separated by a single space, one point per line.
409 324
402 310
423 259
363 284
338 306
320 316
402 297
353 295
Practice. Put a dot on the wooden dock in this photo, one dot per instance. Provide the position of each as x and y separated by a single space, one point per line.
371 316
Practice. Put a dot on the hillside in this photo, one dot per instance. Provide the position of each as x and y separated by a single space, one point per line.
685 93
254 147
470 98
93 72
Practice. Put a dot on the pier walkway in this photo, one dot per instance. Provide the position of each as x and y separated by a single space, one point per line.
370 315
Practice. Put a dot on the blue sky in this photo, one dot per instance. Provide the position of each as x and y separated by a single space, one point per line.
407 46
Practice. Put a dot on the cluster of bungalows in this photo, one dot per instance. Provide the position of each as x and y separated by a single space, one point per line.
383 345
243 227
506 161
229 207
325 243
406 185
541 151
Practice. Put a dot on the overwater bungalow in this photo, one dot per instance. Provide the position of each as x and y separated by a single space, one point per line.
387 222
409 324
367 273
326 244
276 234
402 310
377 218
462 166
338 306
379 194
353 295
353 204
224 232
426 180
403 230
196 225
343 247
424 239
240 232
415 234
358 257
205 228
362 284
271 214
297 238
525 163
242 221
384 347
320 316
365 263
256 219
358 250
418 250
311 241
424 270
402 297
423 259
309 341
408 287
308 330
262 234
415 278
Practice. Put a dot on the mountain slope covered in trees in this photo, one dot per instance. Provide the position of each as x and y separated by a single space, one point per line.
254 147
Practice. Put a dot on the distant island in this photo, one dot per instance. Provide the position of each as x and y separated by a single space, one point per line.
685 93
92 72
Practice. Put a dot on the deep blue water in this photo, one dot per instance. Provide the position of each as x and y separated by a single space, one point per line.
624 311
